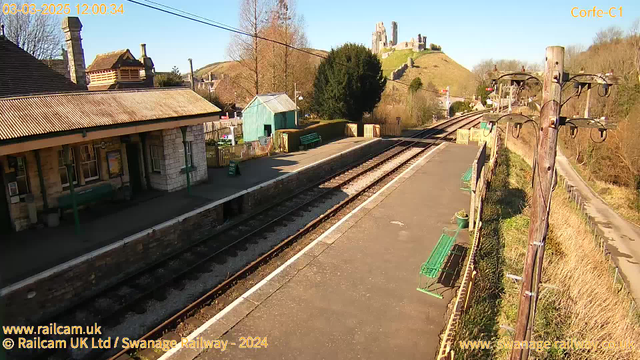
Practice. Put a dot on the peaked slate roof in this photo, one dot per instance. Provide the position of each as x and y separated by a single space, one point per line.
114 60
276 103
21 73
26 116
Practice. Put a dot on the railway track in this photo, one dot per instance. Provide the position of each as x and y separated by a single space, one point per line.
180 284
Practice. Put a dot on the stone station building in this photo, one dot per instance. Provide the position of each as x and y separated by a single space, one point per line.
63 147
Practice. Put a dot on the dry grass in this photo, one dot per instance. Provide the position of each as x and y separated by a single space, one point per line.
397 58
443 71
587 306
434 67
621 199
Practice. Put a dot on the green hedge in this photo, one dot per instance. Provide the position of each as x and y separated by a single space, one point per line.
327 130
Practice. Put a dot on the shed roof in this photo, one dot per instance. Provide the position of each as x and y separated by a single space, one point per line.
114 60
44 114
21 73
276 103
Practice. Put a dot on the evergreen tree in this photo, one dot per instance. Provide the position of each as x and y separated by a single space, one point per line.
349 82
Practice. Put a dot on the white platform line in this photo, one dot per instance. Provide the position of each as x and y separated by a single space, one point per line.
264 281
68 264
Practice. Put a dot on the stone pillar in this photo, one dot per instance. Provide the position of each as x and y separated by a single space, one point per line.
71 26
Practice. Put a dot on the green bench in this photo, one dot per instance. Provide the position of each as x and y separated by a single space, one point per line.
86 196
432 268
309 139
465 180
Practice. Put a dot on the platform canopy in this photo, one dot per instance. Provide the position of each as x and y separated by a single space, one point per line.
38 121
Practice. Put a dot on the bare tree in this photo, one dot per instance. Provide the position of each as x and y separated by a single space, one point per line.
245 50
610 34
634 37
285 64
571 55
39 35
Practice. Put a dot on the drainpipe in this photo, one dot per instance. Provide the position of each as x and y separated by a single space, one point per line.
69 165
186 162
43 188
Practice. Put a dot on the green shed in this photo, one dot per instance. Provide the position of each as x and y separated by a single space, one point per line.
267 113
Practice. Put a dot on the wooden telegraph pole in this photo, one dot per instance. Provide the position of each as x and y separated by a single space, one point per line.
543 178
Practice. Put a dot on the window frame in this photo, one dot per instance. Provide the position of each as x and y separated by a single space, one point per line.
63 166
84 162
156 160
189 158
25 175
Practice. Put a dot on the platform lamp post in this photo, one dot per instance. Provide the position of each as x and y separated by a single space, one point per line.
187 166
67 159
296 97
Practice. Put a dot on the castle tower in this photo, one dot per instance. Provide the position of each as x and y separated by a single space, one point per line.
394 34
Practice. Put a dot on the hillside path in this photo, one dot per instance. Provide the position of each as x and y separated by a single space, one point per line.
624 236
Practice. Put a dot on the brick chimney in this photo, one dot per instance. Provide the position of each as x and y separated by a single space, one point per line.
71 26
148 73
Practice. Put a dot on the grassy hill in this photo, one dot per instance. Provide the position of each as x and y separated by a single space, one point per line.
435 67
232 68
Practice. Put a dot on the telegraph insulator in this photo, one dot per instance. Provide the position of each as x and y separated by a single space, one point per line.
573 131
516 130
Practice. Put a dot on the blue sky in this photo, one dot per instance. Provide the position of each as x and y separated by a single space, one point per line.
468 31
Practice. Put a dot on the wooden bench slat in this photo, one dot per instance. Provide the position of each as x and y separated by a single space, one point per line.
438 255
310 138
85 196
466 177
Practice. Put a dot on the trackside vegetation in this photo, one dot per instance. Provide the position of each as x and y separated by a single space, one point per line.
581 303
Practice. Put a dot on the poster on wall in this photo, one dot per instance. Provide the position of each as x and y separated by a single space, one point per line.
114 162
13 188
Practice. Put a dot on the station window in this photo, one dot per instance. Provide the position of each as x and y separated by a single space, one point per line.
189 154
21 175
156 158
62 169
89 164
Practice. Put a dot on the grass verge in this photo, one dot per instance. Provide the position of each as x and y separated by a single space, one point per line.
585 307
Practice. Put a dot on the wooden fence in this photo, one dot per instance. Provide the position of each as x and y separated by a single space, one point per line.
464 292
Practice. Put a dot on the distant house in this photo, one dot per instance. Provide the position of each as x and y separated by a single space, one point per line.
267 113
60 142
121 70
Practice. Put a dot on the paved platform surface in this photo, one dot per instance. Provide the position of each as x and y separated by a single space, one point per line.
352 292
29 252
623 235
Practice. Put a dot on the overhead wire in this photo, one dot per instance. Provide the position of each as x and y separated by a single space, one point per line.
206 21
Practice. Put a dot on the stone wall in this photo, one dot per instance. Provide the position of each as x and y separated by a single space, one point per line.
54 290
397 73
174 162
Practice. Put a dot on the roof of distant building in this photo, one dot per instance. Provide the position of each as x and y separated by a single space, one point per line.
21 73
114 60
27 116
276 103
58 65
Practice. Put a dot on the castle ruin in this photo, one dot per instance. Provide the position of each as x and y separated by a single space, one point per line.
379 40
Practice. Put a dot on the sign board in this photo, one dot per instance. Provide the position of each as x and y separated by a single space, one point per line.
13 188
264 140
462 136
234 168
